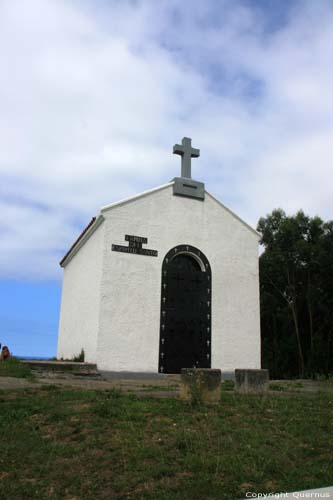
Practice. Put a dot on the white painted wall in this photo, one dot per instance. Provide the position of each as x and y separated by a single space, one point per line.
80 302
129 324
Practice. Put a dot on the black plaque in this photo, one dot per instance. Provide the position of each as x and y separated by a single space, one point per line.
135 239
135 246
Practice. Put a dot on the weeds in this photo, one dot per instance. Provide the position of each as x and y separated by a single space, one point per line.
79 358
13 367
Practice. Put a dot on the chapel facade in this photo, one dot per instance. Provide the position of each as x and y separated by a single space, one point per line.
164 280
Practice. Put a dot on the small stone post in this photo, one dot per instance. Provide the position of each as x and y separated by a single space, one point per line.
200 385
251 381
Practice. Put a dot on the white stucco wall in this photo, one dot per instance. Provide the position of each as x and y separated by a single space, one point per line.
80 302
128 337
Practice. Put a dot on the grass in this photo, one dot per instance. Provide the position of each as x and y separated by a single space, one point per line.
76 444
13 367
285 386
228 385
159 388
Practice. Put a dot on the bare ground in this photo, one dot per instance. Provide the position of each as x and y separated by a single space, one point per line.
159 388
165 388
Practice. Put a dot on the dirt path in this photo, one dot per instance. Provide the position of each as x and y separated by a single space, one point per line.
145 387
16 383
151 387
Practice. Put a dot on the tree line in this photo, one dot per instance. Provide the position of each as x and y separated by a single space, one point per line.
296 295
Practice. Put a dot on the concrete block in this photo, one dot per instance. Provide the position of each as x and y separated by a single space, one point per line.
189 188
251 381
200 385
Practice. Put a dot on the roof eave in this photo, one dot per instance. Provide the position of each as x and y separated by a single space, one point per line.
84 236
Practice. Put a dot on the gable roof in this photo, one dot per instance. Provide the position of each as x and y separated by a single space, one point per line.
234 215
164 186
96 221
136 196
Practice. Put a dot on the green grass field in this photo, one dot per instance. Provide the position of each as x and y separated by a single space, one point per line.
75 444
14 368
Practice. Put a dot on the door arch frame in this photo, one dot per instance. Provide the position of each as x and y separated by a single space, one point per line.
204 264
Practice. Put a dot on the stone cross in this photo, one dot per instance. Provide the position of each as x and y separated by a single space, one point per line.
186 151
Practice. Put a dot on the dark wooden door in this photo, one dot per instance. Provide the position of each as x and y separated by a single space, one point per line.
185 335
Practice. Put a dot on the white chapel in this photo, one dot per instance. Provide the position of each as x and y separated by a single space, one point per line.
164 280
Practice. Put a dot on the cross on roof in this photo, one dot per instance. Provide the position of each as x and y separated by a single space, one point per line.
186 151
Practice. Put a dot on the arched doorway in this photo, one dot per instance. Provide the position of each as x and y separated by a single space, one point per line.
185 332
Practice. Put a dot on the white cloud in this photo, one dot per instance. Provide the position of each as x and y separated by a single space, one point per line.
94 94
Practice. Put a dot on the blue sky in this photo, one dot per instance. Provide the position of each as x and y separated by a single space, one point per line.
95 93
29 316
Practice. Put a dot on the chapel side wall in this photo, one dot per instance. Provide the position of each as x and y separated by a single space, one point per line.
236 329
131 284
80 301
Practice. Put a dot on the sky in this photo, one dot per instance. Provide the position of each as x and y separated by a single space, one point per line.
93 95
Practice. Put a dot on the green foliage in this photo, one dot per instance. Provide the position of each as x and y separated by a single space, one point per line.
79 358
296 290
13 367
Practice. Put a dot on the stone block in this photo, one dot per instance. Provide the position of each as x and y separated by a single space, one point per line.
188 187
251 381
200 385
